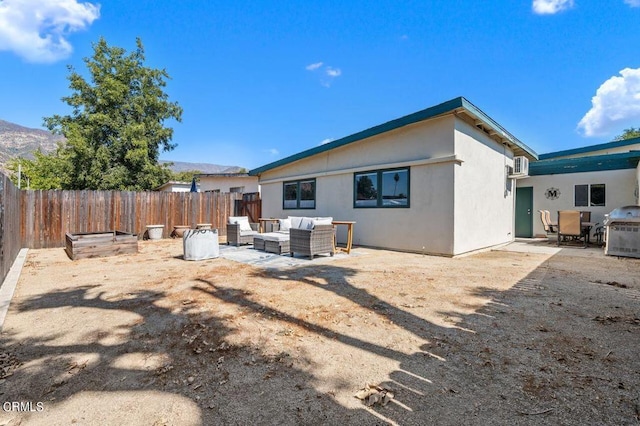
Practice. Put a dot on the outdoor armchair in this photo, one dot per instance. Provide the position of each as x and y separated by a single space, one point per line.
310 242
240 231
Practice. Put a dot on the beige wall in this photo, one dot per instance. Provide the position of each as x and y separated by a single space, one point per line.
484 195
426 147
619 191
225 183
441 219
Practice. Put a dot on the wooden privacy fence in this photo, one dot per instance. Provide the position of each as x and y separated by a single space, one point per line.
10 224
48 215
250 205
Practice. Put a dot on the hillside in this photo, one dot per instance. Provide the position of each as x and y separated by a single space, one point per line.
20 141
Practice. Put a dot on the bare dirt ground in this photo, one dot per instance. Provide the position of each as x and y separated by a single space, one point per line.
494 338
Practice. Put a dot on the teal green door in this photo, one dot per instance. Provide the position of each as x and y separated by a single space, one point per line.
524 212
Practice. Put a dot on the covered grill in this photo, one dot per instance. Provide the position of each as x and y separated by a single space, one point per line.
623 232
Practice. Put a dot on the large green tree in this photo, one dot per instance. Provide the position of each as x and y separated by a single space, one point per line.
629 133
116 129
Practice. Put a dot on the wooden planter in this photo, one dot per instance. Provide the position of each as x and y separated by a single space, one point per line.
100 244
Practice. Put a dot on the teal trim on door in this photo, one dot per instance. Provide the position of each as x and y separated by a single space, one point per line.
524 212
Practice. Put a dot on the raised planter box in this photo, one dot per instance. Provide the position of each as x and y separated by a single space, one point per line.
100 244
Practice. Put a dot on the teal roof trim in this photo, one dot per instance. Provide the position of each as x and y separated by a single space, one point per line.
595 163
425 114
587 149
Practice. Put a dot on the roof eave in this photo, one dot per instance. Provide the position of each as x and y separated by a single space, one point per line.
449 107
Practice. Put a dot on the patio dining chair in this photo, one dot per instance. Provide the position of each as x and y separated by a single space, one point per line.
570 225
552 224
545 217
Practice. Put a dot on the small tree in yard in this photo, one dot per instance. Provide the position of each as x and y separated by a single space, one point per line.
115 132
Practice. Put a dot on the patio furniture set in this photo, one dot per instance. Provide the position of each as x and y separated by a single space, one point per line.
571 225
308 236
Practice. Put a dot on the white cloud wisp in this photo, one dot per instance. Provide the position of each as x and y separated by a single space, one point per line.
313 67
633 3
616 103
329 73
551 7
37 30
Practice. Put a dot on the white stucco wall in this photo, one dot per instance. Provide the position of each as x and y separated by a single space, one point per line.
428 223
484 202
619 191
225 183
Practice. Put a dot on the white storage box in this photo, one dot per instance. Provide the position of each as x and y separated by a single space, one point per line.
200 244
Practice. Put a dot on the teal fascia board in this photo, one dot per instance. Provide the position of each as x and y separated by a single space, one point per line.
596 163
587 149
425 114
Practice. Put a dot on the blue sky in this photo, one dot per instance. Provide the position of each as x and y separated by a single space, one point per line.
259 81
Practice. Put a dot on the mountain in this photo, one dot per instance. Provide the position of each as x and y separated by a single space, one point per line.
20 141
181 166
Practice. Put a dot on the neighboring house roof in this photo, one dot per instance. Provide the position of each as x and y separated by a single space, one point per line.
591 148
456 105
172 182
222 175
625 160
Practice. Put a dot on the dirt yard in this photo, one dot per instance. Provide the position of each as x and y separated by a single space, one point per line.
495 338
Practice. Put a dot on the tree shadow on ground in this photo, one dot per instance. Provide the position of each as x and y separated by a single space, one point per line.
154 353
530 355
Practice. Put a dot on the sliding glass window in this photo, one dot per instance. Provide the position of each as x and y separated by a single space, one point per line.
381 188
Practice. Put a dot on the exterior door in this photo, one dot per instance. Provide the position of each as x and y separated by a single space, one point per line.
524 214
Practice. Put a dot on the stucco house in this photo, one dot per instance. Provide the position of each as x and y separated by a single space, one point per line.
438 181
597 178
174 186
227 182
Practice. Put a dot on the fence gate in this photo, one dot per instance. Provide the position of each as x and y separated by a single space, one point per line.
250 205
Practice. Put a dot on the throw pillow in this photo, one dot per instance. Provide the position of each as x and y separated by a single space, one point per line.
285 224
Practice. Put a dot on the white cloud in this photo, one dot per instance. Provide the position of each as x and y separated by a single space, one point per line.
617 102
633 3
550 7
271 151
328 72
333 72
326 141
37 30
313 67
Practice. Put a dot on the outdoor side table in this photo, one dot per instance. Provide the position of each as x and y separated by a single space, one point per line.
349 224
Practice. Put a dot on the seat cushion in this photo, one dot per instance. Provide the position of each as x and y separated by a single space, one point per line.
247 233
295 221
285 224
306 223
275 236
243 221
322 221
